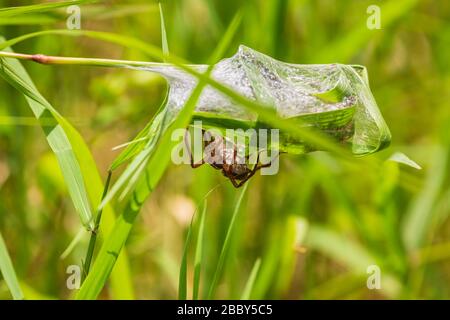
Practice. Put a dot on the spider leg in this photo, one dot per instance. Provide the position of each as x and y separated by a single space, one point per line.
235 183
246 178
267 164
188 147
254 170
232 179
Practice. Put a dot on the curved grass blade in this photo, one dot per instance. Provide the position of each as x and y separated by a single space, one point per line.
182 280
111 248
421 214
400 157
7 270
164 43
312 136
14 73
251 280
121 284
140 141
199 253
267 115
226 244
30 19
39 8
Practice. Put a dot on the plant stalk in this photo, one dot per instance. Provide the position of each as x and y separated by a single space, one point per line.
44 59
94 232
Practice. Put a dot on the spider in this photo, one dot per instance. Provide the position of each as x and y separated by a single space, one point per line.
228 160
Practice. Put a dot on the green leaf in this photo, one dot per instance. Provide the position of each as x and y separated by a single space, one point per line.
199 253
38 8
333 95
251 280
29 19
182 280
226 245
14 73
72 151
421 213
266 115
112 247
7 270
147 181
400 157
164 43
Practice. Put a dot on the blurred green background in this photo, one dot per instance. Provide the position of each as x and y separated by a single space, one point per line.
316 226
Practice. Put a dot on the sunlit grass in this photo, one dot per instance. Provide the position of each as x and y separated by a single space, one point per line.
308 232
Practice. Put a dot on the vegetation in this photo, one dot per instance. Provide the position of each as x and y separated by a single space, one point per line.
156 230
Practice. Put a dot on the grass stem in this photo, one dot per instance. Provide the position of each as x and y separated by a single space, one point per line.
94 232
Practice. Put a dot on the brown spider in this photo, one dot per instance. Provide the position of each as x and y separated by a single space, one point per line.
228 160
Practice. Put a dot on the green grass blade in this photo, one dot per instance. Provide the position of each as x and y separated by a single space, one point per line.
29 19
402 158
182 280
14 73
80 160
164 42
251 280
226 245
116 240
141 140
199 253
267 115
7 270
109 251
75 241
135 169
107 256
421 214
39 8
121 283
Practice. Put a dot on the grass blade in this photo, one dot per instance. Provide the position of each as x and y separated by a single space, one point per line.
116 240
158 162
400 157
199 253
39 8
81 161
421 214
267 115
7 270
251 280
226 245
164 43
182 281
14 73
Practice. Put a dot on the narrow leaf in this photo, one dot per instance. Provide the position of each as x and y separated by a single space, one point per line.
251 280
400 157
7 270
164 43
226 245
199 253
